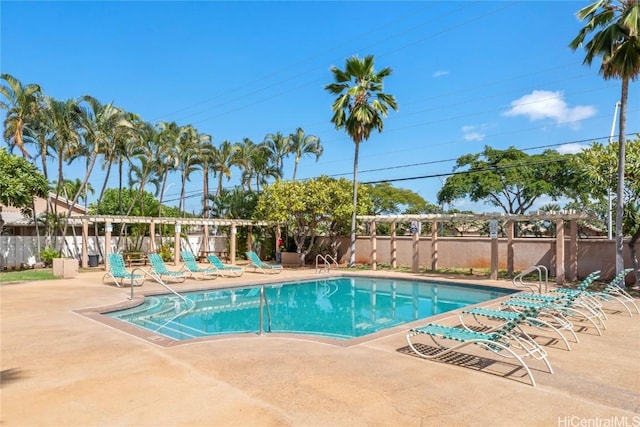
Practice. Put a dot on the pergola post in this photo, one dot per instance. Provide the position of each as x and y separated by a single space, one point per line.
559 251
204 247
277 243
510 226
152 236
394 248
85 237
415 264
374 254
434 245
108 228
573 250
493 234
232 244
176 243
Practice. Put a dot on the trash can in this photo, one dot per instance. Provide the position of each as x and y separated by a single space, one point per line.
93 260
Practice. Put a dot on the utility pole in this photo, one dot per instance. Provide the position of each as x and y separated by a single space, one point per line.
609 209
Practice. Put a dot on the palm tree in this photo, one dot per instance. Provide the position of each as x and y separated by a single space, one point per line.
168 158
263 165
278 147
223 159
21 103
73 187
302 144
142 160
243 159
100 125
39 134
614 28
65 137
359 108
188 146
206 152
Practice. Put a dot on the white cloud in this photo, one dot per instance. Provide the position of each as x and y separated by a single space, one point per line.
572 148
472 133
544 104
440 73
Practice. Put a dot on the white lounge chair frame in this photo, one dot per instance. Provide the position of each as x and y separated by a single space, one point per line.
501 342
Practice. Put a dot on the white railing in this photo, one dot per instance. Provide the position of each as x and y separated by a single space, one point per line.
543 278
327 261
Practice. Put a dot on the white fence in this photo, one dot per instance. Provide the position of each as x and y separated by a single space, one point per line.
17 251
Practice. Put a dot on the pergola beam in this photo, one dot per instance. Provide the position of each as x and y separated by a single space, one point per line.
109 220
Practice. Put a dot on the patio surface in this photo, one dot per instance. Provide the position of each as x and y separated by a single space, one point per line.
61 368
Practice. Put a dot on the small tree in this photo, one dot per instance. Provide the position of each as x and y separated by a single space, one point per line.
20 182
308 207
595 172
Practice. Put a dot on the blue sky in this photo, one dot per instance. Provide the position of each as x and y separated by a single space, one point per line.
465 75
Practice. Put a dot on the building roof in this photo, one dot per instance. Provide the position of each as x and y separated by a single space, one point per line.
15 219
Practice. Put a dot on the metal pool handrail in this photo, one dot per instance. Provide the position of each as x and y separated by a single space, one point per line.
154 277
327 264
542 270
263 302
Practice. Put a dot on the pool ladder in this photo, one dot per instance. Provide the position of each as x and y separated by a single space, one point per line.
543 273
327 262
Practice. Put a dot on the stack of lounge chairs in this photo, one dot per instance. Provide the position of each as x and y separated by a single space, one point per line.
512 329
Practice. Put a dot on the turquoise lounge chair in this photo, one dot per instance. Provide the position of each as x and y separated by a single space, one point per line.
613 292
117 271
225 270
562 306
479 314
194 270
502 341
160 269
263 267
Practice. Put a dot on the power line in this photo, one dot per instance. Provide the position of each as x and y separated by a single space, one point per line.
477 170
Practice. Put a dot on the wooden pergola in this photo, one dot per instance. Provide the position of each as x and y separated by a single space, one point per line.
558 218
109 220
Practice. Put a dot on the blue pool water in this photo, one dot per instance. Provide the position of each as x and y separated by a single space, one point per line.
340 307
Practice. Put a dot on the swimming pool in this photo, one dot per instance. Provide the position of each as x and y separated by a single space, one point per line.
339 307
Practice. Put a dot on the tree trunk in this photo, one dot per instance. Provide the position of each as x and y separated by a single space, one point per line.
621 164
352 256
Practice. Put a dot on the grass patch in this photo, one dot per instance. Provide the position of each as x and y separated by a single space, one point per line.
26 276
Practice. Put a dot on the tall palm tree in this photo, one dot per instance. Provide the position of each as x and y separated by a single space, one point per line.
206 152
359 108
278 147
142 160
188 146
66 141
168 157
21 103
263 165
243 159
39 134
301 144
99 124
614 27
223 159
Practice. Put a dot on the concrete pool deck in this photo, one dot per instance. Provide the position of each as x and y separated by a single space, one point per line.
60 368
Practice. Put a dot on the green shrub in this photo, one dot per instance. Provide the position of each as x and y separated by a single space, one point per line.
166 253
48 254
